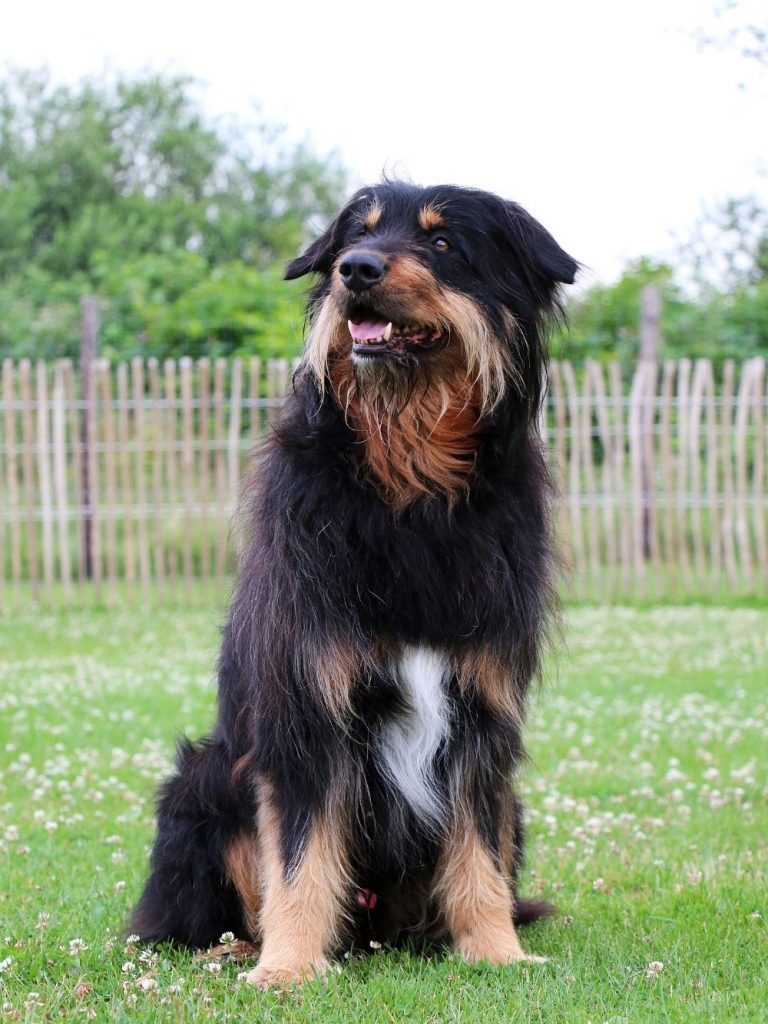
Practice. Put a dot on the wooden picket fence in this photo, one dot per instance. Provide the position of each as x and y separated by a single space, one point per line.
120 481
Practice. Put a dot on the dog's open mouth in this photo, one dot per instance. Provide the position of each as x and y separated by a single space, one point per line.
374 336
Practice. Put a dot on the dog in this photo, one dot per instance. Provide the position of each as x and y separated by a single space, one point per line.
391 603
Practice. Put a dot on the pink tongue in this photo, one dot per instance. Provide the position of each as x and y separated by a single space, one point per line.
367 330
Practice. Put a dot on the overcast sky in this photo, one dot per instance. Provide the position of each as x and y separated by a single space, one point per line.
605 119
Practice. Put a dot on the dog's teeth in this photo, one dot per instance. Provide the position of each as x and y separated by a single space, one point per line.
387 331
349 325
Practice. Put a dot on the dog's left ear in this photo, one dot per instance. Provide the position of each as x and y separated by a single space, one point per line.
526 234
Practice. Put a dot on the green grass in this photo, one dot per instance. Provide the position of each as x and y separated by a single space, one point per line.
647 791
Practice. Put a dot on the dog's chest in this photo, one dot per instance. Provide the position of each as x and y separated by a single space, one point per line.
411 737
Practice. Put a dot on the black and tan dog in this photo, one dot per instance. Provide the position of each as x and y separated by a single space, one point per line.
389 611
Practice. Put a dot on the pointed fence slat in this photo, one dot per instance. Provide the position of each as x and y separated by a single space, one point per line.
187 470
205 468
622 500
110 474
233 437
742 518
61 492
13 562
574 478
29 484
726 453
759 477
126 478
713 452
171 475
697 404
44 470
142 534
607 482
669 543
557 448
219 443
75 452
683 472
590 481
158 552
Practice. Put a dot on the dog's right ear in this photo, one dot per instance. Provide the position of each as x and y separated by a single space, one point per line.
320 256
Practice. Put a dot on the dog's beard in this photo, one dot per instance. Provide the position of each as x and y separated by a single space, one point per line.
417 420
388 382
382 388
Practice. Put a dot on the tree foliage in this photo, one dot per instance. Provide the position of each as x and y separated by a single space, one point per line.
179 224
126 190
720 311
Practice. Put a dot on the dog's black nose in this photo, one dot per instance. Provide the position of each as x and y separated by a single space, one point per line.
361 270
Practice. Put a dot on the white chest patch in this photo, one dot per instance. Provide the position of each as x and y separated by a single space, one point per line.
410 740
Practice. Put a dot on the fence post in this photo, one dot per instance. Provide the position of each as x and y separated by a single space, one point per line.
650 344
650 315
89 347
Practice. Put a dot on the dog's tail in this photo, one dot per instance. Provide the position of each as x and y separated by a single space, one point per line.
528 911
188 897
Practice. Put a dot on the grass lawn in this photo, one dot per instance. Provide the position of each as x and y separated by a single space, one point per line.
647 792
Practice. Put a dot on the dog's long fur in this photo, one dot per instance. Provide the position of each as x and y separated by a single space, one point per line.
389 611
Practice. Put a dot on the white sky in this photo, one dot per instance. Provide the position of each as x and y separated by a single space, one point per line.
604 118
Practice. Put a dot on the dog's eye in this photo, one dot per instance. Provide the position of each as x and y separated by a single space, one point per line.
441 243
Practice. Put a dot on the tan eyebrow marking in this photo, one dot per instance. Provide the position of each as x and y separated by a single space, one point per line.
430 217
372 215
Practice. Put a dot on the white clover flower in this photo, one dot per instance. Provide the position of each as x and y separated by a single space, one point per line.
128 966
5 964
655 967
76 947
213 968
227 938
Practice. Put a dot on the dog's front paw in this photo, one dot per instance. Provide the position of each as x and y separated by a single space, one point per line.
266 975
495 950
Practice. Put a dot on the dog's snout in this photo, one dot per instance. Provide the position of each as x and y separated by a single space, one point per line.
361 270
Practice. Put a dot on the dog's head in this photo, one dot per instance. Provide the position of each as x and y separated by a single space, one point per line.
433 284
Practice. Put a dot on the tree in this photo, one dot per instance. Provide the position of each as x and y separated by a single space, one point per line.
127 190
728 246
604 321
738 30
728 320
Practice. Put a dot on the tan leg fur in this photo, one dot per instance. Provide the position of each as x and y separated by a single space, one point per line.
475 899
242 865
301 913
